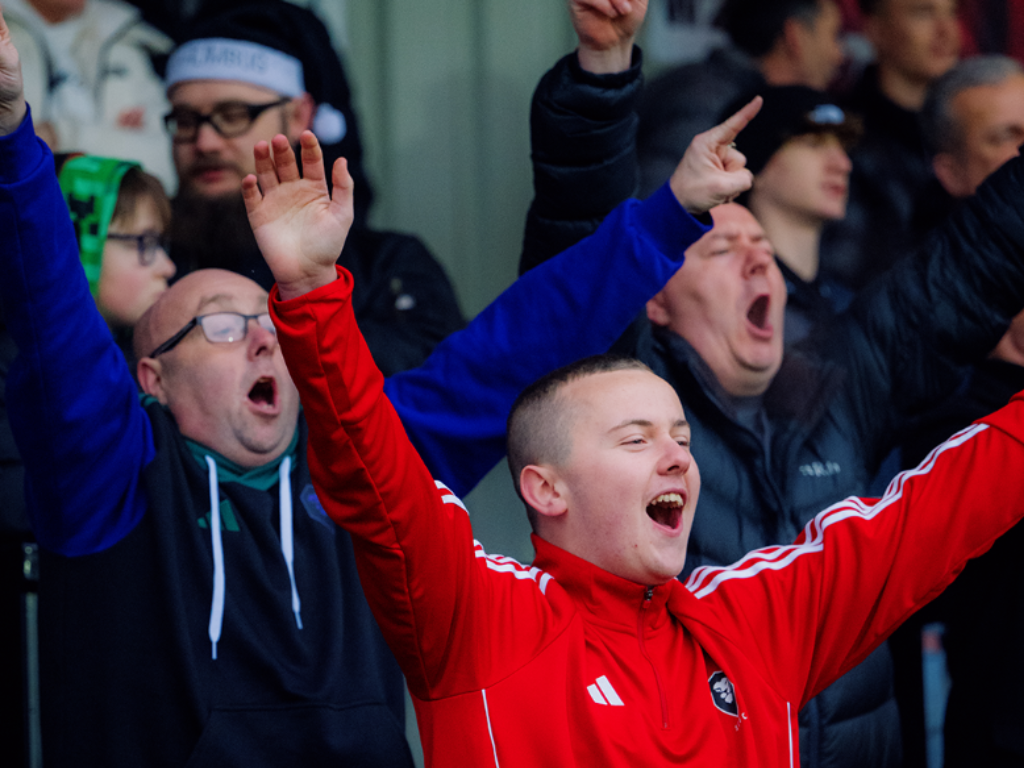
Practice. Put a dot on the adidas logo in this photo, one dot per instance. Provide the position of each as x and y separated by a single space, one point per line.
603 693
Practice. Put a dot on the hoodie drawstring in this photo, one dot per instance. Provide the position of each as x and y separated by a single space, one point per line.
217 606
287 547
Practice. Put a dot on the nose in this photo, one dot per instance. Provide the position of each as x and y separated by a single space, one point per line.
757 258
840 160
676 459
260 340
163 266
207 139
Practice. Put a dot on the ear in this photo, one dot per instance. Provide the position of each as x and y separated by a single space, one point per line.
300 116
543 490
657 310
947 171
151 378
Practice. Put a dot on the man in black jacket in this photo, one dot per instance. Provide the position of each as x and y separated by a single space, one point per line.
915 41
783 436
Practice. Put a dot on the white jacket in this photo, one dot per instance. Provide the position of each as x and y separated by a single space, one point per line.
97 88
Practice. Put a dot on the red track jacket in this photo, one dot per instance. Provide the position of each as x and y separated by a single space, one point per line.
563 664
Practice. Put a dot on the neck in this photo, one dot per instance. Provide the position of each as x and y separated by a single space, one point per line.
796 238
904 90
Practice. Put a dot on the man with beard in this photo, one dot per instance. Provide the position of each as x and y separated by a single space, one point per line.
245 76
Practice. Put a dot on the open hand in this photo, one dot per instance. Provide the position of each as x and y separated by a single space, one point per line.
606 30
299 227
12 94
713 171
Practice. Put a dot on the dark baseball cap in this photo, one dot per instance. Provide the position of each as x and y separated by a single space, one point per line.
789 111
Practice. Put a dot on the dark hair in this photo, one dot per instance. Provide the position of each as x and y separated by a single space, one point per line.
756 25
539 426
137 185
942 131
869 7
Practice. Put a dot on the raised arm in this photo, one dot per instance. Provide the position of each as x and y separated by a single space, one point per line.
430 588
12 93
583 126
863 566
455 405
73 406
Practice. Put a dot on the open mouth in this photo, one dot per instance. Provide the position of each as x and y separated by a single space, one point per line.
758 312
666 510
264 392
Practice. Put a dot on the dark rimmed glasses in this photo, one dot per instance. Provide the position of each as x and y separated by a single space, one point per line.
147 244
218 328
229 118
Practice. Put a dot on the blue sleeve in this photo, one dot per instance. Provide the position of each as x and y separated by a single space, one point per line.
455 405
74 408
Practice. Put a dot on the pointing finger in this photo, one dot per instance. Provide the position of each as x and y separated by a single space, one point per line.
726 132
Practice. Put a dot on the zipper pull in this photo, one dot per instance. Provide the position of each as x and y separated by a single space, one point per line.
648 594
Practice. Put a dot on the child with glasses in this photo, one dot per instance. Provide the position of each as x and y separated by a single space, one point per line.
120 214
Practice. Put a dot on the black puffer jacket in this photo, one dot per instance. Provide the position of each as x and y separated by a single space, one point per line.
829 419
893 190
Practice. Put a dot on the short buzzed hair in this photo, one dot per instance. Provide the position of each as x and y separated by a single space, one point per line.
540 423
942 130
755 25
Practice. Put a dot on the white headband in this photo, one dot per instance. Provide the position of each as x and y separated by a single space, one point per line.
220 58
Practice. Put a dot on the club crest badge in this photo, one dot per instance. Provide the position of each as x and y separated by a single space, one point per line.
723 694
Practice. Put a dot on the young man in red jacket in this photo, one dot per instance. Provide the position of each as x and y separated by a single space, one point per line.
595 654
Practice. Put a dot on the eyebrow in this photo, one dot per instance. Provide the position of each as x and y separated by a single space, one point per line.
219 298
646 423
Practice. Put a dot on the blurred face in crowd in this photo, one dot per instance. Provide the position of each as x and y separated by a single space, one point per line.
820 46
56 11
807 178
235 397
728 301
212 165
627 492
990 121
131 279
919 39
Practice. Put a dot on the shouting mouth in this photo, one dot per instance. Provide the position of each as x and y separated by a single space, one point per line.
758 318
667 510
263 394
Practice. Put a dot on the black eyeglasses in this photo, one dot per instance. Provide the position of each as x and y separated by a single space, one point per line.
147 244
229 118
218 328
